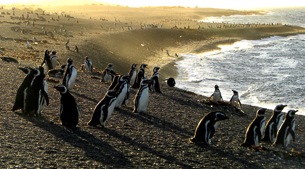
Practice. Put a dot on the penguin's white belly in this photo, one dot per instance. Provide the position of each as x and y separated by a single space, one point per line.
110 111
216 97
72 79
143 101
121 96
107 77
288 140
54 62
133 77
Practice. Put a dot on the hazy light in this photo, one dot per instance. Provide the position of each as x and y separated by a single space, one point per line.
232 4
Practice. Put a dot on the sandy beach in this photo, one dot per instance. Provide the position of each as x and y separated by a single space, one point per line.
122 36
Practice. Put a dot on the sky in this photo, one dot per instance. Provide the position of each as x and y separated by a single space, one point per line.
229 4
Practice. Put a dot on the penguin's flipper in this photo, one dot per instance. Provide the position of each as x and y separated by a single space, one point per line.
292 133
46 96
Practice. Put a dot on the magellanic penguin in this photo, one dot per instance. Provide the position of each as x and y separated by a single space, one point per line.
171 82
88 66
108 74
57 73
132 74
142 97
255 130
286 131
36 96
122 89
216 96
274 123
234 101
155 85
141 75
53 58
69 113
206 127
19 99
70 75
104 109
47 60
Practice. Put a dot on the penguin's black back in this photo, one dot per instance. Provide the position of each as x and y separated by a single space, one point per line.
69 114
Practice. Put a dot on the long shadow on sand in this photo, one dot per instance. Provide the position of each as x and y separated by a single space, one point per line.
157 122
93 147
146 148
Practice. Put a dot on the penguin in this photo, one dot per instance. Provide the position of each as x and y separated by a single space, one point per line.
171 82
36 96
108 74
206 127
234 101
132 73
70 75
9 59
104 109
122 89
53 58
274 123
286 132
216 96
155 86
19 99
47 60
69 112
255 130
58 73
88 67
142 97
141 75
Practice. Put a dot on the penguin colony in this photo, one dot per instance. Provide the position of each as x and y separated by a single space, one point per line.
32 96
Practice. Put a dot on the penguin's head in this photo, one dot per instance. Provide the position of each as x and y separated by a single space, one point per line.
69 61
61 88
86 57
219 115
143 66
109 64
133 66
156 69
171 82
216 87
279 107
26 70
291 113
124 78
62 67
261 112
235 92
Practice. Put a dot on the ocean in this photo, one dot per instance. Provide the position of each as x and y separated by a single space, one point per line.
265 72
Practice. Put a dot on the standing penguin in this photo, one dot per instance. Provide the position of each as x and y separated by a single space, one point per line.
132 74
19 99
70 75
88 67
274 123
235 100
216 96
104 109
108 74
69 113
142 97
206 127
36 95
286 132
255 130
53 58
122 89
141 75
47 60
155 85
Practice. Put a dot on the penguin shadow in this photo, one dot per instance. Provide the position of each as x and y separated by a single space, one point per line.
155 121
230 156
93 147
84 96
146 148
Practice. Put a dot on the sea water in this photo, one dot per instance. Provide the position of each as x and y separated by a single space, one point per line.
265 72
